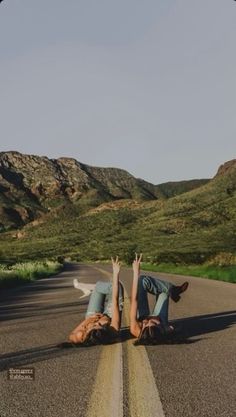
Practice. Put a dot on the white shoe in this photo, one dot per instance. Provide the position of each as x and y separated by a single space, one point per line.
85 288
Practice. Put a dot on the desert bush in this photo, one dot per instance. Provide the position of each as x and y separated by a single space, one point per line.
227 273
60 259
128 254
180 258
21 273
222 259
125 217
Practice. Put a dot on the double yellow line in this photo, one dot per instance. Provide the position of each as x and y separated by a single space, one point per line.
107 395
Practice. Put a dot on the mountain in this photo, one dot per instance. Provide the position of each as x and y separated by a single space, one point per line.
31 186
197 225
67 208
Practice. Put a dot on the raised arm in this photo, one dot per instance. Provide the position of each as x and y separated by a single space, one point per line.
116 316
135 326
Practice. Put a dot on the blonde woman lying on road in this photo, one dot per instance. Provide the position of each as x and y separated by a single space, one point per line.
103 318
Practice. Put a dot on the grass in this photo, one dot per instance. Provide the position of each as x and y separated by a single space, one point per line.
220 273
188 229
169 233
22 273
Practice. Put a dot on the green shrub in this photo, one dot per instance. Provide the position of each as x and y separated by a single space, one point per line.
128 254
227 273
24 272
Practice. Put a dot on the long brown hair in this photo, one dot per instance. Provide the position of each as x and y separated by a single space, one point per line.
100 336
150 335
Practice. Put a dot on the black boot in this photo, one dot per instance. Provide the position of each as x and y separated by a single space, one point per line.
177 290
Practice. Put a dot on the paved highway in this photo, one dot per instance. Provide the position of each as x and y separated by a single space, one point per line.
194 378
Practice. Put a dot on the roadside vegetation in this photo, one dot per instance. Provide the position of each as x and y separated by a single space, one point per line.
192 233
221 273
21 273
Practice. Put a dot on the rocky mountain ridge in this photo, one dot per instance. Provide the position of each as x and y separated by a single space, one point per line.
31 186
226 168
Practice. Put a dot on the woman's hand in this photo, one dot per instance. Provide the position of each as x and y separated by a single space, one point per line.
136 263
116 265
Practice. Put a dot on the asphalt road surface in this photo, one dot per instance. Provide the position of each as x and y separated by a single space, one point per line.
194 377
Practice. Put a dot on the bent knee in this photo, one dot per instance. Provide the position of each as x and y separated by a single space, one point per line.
144 280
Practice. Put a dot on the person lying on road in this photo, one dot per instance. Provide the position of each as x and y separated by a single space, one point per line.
155 327
103 318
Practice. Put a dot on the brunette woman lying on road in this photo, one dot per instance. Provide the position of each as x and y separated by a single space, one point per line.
152 328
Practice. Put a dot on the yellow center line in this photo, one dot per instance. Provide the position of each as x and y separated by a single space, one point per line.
144 399
107 396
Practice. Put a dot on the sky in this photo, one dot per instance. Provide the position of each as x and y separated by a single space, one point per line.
146 86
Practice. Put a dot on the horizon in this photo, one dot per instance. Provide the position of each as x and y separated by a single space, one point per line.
116 167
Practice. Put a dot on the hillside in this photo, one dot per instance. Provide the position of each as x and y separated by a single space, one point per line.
32 186
192 227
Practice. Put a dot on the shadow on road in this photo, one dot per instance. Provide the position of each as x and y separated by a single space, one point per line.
125 334
187 329
34 299
23 290
207 323
29 356
51 351
39 310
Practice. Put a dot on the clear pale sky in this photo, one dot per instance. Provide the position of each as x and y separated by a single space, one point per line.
147 86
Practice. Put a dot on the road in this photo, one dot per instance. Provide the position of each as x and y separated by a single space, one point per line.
194 378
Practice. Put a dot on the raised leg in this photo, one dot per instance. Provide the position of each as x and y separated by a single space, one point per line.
161 307
108 300
161 289
97 298
143 307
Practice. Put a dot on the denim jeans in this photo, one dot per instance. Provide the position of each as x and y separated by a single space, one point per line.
101 299
159 288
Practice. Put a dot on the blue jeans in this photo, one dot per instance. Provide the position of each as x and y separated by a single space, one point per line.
101 299
159 288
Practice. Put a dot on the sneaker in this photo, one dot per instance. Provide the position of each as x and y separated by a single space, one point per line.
85 288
